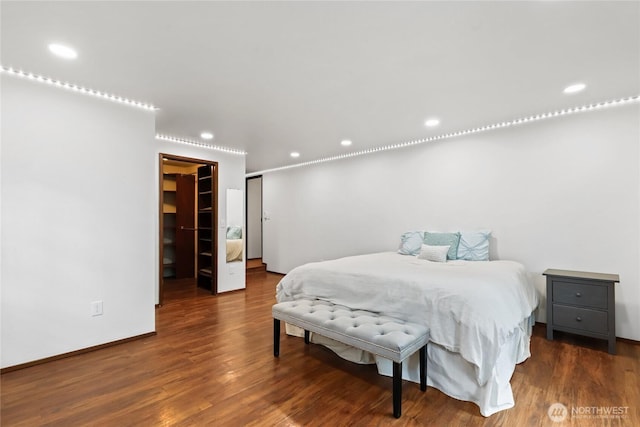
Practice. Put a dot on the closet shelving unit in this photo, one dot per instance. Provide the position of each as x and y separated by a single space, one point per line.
206 229
169 225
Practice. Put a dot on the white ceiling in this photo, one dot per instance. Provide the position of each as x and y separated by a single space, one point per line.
275 77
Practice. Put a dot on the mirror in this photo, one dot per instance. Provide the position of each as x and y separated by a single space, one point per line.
235 232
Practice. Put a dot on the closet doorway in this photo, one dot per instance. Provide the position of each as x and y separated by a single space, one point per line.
188 226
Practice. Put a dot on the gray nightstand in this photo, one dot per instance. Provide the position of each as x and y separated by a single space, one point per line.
582 303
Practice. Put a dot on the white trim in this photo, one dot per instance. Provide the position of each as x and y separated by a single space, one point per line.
200 144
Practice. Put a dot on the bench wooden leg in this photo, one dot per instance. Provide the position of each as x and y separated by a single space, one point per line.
276 337
306 337
397 389
423 368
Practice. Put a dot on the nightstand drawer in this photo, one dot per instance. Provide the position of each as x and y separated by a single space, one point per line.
579 294
581 318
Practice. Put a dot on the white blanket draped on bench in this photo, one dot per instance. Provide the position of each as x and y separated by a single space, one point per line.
479 314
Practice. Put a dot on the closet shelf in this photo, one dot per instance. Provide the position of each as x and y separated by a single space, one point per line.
205 272
206 225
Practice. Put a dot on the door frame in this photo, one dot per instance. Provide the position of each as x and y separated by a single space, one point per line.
246 216
161 157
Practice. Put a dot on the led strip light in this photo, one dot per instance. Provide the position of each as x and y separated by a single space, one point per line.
76 88
200 144
558 113
150 107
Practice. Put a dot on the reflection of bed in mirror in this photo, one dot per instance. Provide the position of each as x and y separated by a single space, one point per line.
235 243
235 219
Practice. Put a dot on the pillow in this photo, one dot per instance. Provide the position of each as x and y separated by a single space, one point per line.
433 253
410 242
444 239
234 233
474 245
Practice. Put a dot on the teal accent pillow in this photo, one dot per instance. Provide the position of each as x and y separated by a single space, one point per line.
234 233
474 245
444 239
410 242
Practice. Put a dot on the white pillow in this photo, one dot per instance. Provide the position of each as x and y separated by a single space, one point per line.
434 253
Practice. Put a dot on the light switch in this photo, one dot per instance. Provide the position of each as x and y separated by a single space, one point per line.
96 308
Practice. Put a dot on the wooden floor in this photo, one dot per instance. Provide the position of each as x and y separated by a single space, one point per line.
255 266
211 363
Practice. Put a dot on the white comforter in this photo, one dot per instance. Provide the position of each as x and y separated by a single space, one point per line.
471 307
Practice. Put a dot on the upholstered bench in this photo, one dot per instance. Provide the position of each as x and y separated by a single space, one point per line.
381 335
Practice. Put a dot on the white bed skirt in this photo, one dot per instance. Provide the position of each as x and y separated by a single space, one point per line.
448 371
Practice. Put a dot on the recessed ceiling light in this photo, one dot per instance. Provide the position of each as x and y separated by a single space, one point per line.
574 88
432 122
206 135
345 142
294 154
63 51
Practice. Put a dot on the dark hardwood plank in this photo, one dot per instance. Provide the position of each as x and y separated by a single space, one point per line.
211 363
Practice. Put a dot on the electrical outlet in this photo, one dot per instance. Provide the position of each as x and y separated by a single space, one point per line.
96 308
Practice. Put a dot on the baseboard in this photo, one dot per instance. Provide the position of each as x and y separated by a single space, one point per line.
232 291
627 340
275 272
73 353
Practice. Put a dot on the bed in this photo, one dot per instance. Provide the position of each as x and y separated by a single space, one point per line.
234 249
480 314
235 243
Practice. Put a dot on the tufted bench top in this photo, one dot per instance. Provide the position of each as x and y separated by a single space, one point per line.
384 336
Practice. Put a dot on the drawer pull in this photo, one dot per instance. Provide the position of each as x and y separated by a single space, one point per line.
578 294
579 319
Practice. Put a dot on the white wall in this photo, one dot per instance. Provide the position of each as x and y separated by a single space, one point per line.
561 193
231 170
79 219
235 207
